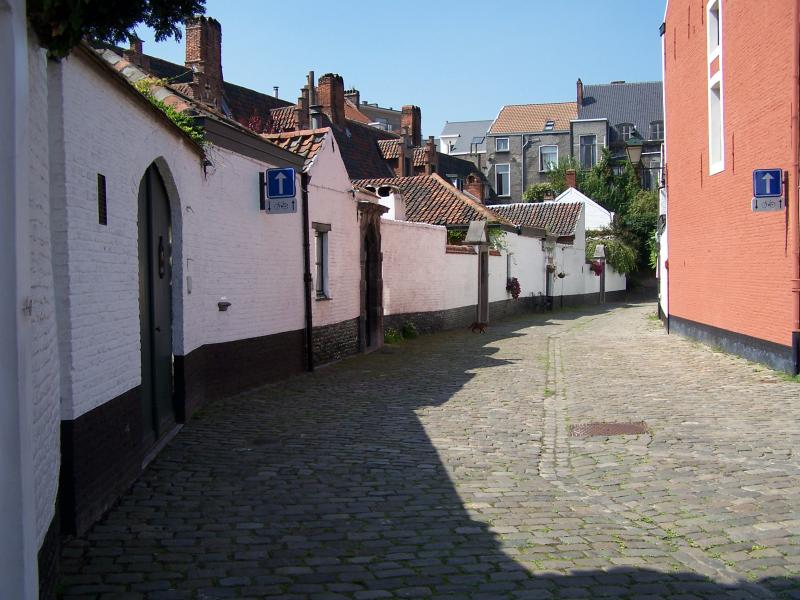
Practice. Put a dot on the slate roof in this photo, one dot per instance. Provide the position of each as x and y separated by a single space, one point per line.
466 131
531 118
431 199
306 143
637 103
559 219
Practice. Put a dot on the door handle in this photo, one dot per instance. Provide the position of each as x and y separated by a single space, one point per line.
161 257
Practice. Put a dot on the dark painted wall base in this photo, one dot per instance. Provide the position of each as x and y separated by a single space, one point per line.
215 371
48 561
334 342
101 455
775 356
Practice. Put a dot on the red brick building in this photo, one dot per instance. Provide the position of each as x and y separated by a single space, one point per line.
731 106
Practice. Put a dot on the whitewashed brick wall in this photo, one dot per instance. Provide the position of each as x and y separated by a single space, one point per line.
44 338
331 202
414 266
220 240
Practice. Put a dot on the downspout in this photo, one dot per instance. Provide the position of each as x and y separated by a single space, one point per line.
794 214
524 148
305 178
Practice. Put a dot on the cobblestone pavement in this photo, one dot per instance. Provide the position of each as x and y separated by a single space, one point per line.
444 468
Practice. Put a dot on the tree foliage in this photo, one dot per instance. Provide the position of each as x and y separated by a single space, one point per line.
62 24
618 190
182 120
539 192
619 255
558 175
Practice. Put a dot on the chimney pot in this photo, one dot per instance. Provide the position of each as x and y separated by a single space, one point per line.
330 96
475 186
580 92
204 58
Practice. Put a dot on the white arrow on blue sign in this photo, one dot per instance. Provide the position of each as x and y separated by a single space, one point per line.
767 183
280 183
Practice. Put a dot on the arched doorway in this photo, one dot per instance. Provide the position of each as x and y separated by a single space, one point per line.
155 307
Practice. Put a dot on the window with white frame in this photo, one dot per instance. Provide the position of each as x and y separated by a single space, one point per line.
502 179
588 152
501 145
626 131
549 125
716 124
548 158
321 231
657 130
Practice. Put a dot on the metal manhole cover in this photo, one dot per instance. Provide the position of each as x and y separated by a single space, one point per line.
592 429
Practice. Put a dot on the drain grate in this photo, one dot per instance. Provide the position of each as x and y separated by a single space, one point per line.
604 429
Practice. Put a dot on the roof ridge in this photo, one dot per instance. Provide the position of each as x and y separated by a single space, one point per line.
296 133
542 103
625 83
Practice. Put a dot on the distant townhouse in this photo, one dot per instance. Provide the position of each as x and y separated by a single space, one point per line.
615 114
466 140
524 142
732 262
388 119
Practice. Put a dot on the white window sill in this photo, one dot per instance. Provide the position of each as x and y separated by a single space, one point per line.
715 168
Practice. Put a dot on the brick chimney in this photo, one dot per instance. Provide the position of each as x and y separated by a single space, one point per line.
431 156
412 119
571 179
475 186
580 93
330 96
354 96
135 54
204 57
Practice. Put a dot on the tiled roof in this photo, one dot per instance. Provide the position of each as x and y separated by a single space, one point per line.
351 112
358 144
637 103
558 218
431 199
305 143
389 148
524 118
282 119
465 132
242 102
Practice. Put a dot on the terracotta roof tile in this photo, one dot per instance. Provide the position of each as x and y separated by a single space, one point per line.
282 119
533 117
431 199
558 218
306 143
389 148
351 112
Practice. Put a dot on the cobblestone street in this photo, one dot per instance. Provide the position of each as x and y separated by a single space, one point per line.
444 467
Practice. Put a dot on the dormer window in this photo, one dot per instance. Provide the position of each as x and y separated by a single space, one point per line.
549 125
626 131
657 130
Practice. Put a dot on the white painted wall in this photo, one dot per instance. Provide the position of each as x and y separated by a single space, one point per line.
413 263
595 217
331 201
527 263
663 254
18 519
460 280
44 333
220 240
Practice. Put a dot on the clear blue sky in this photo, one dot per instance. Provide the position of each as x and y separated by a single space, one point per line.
457 59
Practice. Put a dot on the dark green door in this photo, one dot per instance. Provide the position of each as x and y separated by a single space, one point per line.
155 306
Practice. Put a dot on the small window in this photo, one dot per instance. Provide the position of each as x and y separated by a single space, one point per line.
548 126
657 130
626 131
102 206
548 158
456 181
714 29
715 127
321 260
588 151
501 145
502 176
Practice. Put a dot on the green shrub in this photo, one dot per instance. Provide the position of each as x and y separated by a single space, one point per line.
618 254
409 330
392 336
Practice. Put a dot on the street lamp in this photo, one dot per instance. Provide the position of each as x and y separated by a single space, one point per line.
633 148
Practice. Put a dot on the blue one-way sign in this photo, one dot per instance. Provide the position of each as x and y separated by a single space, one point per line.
280 183
767 183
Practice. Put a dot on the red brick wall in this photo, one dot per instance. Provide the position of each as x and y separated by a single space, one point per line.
729 267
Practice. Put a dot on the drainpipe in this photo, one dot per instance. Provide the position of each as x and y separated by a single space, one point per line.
305 178
794 214
525 144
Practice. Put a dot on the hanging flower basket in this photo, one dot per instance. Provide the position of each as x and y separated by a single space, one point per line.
513 288
596 267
